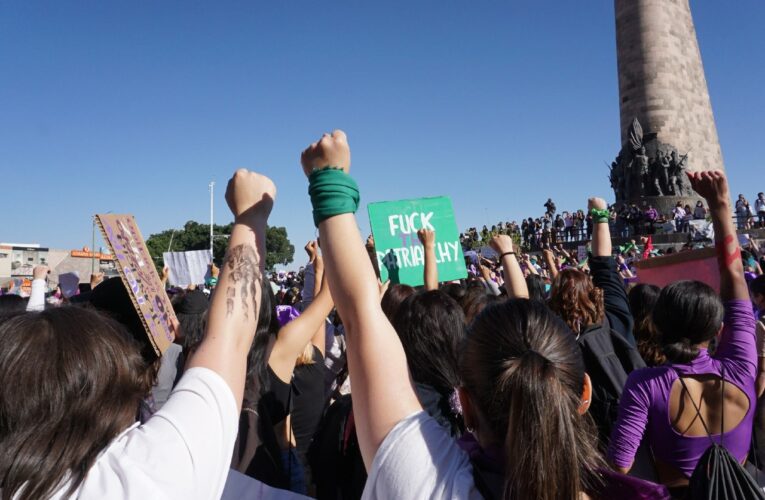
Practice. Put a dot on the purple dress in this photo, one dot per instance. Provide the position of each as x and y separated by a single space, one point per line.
644 405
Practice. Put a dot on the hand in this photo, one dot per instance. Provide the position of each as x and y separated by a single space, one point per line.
427 237
597 203
40 272
329 151
711 185
214 270
95 279
501 243
165 273
312 249
250 196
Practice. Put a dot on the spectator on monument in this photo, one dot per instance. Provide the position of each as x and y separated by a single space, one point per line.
699 211
531 387
635 219
559 228
759 207
676 406
741 212
549 207
651 216
568 220
678 215
81 398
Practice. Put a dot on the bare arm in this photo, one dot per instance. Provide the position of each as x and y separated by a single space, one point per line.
515 283
428 239
233 314
383 391
713 186
552 266
294 337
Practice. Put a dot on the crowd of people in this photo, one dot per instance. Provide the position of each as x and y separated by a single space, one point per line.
626 220
540 376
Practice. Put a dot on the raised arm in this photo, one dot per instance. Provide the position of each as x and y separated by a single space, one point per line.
713 186
552 265
308 327
601 236
382 390
233 314
515 283
428 239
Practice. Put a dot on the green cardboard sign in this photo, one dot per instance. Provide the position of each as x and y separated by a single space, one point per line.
400 254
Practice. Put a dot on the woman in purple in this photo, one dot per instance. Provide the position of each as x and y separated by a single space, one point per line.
658 402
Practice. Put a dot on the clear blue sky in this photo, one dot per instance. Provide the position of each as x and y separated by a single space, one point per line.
136 106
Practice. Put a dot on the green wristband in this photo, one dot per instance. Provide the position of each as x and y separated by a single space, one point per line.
600 216
333 192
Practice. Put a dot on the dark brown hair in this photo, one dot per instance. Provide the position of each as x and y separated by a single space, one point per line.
476 298
576 300
642 300
524 371
71 380
394 296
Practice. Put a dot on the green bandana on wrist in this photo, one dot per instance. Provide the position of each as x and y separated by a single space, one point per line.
600 216
333 192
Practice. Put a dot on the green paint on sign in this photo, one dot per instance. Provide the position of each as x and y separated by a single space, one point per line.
399 252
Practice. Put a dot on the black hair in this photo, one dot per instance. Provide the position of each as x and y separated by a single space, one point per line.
642 299
687 314
431 327
536 286
757 285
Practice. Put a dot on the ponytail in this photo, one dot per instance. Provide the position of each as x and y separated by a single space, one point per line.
544 441
525 373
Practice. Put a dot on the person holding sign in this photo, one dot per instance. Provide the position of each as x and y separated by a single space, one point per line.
525 387
71 381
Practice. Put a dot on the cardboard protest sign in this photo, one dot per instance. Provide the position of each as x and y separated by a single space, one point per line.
188 268
581 253
69 283
698 265
139 277
399 252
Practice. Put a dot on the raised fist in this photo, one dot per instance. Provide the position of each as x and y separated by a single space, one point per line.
501 243
312 249
329 151
596 203
249 194
427 237
40 272
711 185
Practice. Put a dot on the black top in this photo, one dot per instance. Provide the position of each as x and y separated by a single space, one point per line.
308 401
617 307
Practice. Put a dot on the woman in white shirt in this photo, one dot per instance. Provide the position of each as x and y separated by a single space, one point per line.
71 381
524 395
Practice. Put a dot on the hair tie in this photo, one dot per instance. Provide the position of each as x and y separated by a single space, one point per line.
332 192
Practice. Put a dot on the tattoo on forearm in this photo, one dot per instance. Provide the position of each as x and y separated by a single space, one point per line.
244 277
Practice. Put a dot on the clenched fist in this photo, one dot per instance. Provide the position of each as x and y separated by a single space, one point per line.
331 150
711 185
501 244
427 237
596 203
250 195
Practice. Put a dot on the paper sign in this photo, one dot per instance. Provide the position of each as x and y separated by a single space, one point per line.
700 265
581 253
69 283
399 252
140 277
188 268
488 252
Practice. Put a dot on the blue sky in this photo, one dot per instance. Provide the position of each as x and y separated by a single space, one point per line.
136 106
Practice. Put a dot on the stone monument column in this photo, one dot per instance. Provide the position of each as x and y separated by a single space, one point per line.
664 102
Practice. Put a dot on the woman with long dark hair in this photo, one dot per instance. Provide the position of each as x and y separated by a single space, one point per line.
71 381
676 406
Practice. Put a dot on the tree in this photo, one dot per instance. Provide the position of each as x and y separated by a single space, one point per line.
196 236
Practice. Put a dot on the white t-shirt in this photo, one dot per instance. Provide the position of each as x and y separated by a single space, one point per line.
183 451
418 459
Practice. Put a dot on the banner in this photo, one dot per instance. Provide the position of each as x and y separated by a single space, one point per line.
188 268
399 252
140 277
698 265
69 283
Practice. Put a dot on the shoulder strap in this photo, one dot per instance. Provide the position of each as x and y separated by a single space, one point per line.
698 410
